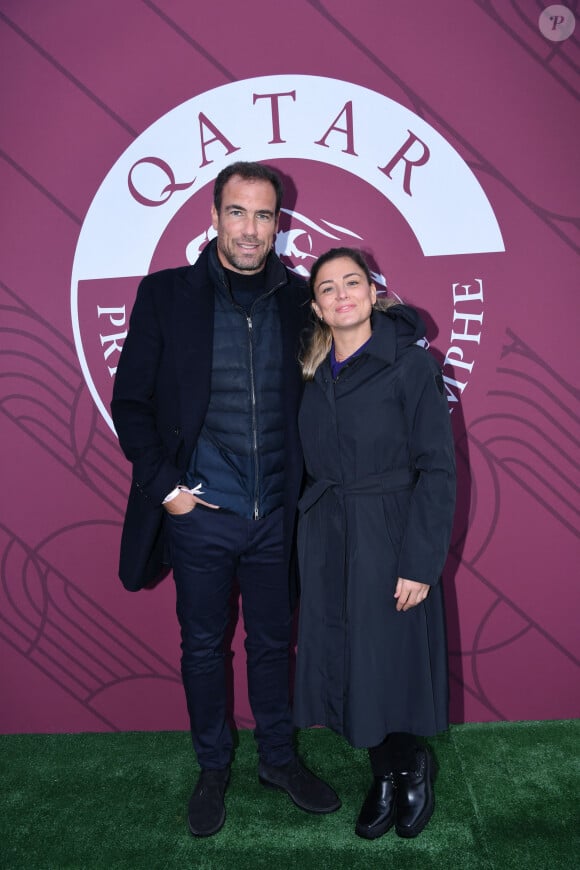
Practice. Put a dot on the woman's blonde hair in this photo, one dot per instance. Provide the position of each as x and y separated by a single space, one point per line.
318 341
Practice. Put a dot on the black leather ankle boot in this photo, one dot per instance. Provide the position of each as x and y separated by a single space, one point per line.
415 801
377 813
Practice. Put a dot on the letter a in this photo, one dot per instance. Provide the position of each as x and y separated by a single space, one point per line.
218 137
349 130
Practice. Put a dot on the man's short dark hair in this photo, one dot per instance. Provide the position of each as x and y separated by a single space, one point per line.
249 172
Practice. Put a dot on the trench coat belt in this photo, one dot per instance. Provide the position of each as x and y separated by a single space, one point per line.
372 484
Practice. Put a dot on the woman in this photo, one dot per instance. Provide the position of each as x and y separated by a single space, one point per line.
374 530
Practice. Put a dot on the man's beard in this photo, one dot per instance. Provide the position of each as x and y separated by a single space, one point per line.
244 264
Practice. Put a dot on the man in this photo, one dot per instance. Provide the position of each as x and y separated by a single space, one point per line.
205 405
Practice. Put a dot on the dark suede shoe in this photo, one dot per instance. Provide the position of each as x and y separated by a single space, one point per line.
207 812
377 814
415 799
306 790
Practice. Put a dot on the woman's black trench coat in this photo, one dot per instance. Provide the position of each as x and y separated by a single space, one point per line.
378 505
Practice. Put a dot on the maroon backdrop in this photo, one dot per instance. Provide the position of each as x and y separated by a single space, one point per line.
440 137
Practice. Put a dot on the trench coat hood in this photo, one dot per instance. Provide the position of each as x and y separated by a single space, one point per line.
393 330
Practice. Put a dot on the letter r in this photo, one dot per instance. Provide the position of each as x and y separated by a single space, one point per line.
409 164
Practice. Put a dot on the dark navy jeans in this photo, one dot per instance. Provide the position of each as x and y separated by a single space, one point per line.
209 550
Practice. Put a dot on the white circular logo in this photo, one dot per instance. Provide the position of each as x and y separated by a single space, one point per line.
556 22
358 169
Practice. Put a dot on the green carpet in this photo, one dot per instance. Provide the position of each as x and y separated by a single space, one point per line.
507 797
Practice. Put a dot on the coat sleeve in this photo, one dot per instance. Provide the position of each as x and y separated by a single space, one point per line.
431 452
136 399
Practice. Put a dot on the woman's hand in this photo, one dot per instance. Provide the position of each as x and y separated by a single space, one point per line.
409 593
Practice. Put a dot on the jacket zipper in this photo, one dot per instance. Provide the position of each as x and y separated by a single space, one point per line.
256 513
254 420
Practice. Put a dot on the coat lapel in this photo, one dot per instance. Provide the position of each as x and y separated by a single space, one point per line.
193 319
